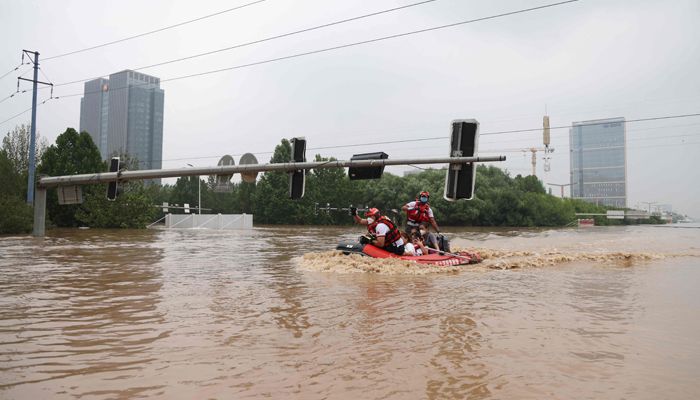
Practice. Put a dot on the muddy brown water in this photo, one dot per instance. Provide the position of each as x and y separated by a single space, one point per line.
599 313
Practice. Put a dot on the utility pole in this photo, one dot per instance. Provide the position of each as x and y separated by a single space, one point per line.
32 140
546 141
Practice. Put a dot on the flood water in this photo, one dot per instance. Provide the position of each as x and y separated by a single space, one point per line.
598 313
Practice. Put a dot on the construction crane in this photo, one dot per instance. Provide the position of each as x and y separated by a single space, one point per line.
524 150
547 150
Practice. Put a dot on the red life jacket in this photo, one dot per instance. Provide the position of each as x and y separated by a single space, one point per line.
420 213
391 236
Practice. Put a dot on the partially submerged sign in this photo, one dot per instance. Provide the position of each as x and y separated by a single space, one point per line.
223 182
586 223
70 195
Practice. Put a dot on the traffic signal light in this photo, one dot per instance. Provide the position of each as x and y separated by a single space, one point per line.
464 142
297 178
359 173
113 189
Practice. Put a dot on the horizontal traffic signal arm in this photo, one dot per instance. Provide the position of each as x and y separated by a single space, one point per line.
125 176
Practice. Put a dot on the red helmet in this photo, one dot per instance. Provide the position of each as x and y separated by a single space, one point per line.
372 212
425 193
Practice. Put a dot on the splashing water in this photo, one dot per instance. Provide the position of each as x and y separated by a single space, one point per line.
335 261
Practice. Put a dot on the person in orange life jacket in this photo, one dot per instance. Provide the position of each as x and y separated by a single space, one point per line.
387 234
419 211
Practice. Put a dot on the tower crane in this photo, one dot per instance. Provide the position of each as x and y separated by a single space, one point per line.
547 150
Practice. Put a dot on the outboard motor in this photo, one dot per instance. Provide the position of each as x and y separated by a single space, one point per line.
443 243
351 248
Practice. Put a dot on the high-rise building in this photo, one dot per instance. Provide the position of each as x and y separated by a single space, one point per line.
93 112
599 161
124 114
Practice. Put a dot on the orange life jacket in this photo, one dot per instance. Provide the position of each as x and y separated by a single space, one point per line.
420 213
391 236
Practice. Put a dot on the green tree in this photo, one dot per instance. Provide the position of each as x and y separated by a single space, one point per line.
74 153
530 184
133 209
331 186
17 144
15 214
271 204
186 191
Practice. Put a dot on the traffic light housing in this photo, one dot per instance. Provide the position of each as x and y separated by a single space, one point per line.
359 173
464 142
297 178
113 189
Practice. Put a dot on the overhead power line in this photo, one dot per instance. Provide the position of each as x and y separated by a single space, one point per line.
264 40
628 130
155 31
445 137
12 70
342 46
27 110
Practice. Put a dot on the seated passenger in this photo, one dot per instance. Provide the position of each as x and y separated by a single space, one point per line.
429 239
409 250
418 245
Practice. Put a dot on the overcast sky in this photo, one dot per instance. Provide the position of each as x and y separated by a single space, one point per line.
586 60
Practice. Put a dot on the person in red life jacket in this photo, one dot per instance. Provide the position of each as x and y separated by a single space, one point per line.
381 231
419 211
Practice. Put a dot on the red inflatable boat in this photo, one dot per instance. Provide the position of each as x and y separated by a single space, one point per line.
441 258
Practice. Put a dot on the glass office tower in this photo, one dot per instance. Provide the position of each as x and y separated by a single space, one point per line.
598 160
124 114
93 112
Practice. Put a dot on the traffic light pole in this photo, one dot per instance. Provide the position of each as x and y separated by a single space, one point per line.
44 182
124 176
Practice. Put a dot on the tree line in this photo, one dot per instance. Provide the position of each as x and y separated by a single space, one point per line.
499 199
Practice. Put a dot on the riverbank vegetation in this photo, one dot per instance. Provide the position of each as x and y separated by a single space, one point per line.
499 199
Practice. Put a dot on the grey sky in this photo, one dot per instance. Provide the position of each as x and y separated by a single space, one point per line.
588 60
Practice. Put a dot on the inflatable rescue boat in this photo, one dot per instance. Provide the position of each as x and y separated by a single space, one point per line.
441 258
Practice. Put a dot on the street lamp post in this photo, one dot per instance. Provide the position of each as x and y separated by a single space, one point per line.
199 183
562 188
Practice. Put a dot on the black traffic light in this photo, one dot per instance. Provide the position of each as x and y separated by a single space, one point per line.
359 173
297 178
464 142
113 189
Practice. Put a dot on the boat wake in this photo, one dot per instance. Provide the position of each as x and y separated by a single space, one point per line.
336 262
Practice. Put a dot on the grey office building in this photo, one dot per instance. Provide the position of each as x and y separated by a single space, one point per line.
599 161
124 114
